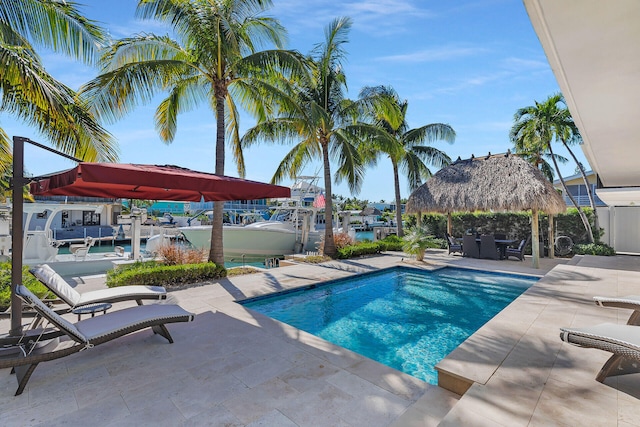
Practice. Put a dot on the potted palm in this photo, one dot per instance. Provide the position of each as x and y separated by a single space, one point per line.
416 242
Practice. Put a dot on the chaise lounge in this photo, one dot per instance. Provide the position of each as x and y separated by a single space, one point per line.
56 284
86 334
621 340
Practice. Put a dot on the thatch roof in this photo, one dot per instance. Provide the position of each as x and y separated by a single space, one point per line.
499 182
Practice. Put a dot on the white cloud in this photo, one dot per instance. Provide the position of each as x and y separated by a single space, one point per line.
442 53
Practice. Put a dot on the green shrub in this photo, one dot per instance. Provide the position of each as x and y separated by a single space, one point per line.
27 279
390 243
153 273
594 249
359 249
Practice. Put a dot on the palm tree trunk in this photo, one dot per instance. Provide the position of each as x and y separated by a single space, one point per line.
592 199
216 250
329 243
396 185
583 217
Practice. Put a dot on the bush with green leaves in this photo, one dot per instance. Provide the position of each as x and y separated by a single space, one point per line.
152 273
359 249
27 279
601 249
391 243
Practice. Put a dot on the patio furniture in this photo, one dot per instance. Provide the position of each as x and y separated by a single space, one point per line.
500 236
54 282
632 302
87 333
519 251
488 248
470 247
452 244
621 340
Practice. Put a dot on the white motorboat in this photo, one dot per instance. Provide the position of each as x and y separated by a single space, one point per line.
49 226
290 230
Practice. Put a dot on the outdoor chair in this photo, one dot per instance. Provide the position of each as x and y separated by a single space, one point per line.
621 340
56 284
631 302
86 334
519 251
488 248
470 247
500 236
452 244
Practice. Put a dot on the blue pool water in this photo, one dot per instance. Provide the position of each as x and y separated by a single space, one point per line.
402 317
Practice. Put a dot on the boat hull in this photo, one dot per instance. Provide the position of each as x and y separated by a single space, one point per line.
258 240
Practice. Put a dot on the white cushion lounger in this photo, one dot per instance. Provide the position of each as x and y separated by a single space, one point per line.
87 333
631 302
73 298
621 340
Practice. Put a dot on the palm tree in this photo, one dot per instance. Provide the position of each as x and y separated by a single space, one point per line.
215 61
315 115
389 134
29 93
538 126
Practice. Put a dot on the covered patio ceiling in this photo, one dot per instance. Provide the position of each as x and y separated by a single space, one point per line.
593 48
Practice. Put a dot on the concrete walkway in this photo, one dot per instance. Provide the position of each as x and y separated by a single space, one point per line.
235 367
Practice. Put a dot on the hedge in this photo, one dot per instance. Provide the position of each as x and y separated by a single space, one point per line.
152 273
27 279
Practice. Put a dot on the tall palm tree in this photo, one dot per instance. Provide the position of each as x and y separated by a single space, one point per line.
389 134
540 125
536 153
315 115
215 61
29 93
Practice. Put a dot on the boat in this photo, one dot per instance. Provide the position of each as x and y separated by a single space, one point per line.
289 230
50 227
294 227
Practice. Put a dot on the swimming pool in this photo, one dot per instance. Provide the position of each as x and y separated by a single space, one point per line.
405 318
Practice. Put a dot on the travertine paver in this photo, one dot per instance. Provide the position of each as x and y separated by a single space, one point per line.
235 367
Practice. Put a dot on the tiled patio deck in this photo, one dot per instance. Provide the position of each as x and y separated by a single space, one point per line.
235 367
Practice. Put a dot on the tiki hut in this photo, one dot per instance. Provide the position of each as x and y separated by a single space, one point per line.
502 182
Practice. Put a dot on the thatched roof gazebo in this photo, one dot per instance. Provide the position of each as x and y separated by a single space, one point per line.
502 182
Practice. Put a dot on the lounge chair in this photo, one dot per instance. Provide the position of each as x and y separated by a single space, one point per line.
452 244
631 302
488 248
85 334
621 340
470 247
519 251
73 298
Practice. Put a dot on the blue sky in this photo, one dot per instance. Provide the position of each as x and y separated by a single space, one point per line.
468 63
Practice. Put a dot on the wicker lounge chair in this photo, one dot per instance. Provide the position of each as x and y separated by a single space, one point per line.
470 247
631 302
85 334
65 292
452 245
519 251
621 340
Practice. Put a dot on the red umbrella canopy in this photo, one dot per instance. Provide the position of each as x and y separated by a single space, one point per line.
151 182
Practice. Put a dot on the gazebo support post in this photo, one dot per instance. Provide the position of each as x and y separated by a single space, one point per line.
419 219
535 239
552 251
449 224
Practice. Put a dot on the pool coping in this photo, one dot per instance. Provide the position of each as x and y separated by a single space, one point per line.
474 361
